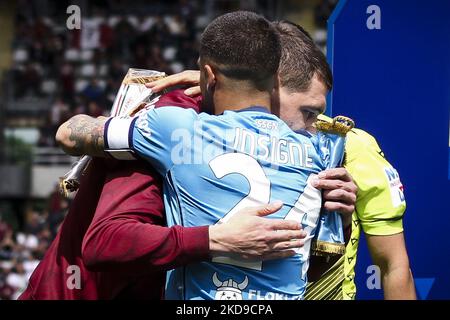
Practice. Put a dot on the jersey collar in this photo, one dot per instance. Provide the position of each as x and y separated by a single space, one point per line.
304 132
265 110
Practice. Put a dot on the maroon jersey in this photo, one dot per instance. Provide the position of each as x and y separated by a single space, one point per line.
113 243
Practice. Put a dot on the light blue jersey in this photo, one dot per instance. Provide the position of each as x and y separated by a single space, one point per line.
214 166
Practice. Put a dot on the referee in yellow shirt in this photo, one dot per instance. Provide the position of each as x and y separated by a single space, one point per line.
305 78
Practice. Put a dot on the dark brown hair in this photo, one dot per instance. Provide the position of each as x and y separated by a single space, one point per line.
301 59
242 45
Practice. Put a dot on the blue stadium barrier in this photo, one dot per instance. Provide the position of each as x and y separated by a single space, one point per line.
391 66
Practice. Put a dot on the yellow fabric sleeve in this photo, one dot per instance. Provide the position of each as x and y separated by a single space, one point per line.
380 203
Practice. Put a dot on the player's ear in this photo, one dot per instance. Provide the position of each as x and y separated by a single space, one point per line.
210 76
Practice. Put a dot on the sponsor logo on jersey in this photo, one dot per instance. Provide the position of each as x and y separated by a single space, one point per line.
229 289
395 186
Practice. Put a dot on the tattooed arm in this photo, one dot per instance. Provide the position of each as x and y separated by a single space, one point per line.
81 135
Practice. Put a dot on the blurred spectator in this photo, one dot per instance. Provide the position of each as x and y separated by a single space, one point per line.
80 105
140 55
27 242
94 110
4 229
34 224
112 87
106 35
20 254
40 29
188 55
67 80
30 264
17 279
116 69
55 217
55 199
7 245
44 240
28 81
176 26
46 137
124 35
90 33
59 112
6 291
93 91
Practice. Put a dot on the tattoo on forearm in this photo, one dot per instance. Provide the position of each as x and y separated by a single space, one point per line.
86 134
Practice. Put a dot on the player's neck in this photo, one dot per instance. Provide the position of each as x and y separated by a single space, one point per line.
224 100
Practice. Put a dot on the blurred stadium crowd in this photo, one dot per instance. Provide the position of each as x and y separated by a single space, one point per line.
21 250
81 70
56 73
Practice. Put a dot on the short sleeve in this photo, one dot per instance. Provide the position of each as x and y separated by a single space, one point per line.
380 203
152 136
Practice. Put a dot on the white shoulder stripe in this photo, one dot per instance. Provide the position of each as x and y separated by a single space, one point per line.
117 133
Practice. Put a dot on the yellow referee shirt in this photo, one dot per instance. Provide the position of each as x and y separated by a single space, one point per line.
379 210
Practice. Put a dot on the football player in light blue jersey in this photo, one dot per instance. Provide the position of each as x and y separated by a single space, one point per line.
251 154
216 165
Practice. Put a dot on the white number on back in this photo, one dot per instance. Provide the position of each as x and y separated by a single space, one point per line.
305 211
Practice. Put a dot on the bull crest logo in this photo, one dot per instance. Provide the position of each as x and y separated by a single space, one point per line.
230 289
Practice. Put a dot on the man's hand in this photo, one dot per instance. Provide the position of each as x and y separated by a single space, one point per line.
252 236
189 78
82 135
339 192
